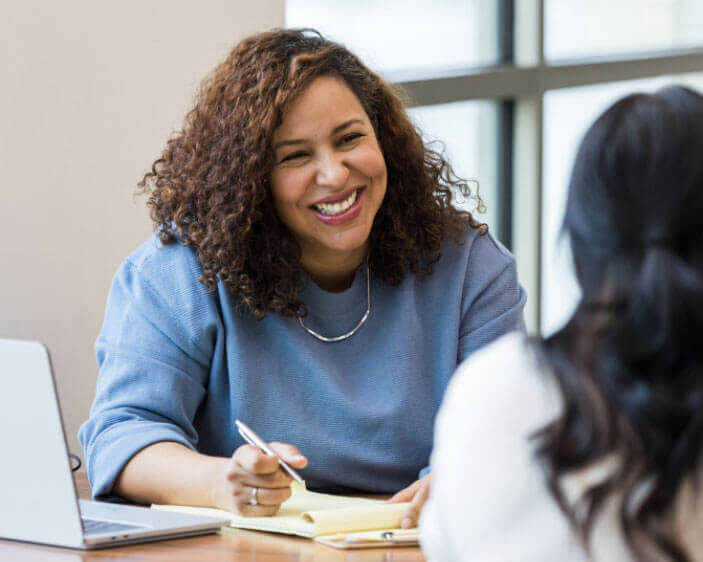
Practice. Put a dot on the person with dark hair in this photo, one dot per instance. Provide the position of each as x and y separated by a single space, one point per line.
587 444
309 276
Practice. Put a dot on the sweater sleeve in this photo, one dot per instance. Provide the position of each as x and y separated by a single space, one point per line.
493 300
153 367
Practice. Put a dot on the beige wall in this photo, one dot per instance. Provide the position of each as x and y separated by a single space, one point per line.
89 93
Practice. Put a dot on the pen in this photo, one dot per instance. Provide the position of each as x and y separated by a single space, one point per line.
253 439
404 535
399 536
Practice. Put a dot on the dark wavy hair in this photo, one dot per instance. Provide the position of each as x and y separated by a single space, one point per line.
210 187
629 363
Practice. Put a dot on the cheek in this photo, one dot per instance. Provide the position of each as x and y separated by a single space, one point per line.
380 166
287 189
377 170
372 164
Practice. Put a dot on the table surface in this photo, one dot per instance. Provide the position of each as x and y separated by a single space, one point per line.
232 545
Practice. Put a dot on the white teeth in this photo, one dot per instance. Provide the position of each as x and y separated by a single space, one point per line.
337 208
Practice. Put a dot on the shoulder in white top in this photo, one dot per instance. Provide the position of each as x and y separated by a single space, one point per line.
489 500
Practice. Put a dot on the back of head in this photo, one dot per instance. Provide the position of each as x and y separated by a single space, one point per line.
629 363
633 213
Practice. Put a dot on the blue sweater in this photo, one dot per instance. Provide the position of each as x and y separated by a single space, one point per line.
179 363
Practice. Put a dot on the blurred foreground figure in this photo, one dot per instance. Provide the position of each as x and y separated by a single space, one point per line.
587 444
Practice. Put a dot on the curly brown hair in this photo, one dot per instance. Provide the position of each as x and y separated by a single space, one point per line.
210 187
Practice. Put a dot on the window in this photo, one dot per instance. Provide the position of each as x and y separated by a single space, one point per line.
587 28
510 87
405 35
466 132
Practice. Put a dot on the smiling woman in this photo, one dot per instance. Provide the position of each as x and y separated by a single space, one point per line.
329 180
309 275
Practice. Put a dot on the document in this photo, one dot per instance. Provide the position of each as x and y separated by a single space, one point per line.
314 515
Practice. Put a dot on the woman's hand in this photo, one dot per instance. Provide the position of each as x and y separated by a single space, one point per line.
417 494
249 468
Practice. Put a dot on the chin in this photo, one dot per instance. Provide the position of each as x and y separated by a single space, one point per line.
347 243
345 247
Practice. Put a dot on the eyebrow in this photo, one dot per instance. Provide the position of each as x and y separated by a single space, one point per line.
336 130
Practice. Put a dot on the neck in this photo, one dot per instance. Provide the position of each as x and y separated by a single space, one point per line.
334 276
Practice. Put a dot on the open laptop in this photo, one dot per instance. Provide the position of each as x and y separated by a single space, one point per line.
38 501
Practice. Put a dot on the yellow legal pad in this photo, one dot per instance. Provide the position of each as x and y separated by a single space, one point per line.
314 515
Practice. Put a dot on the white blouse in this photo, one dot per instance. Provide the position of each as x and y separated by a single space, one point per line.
489 501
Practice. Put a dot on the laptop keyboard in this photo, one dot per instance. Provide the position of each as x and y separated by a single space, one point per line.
99 526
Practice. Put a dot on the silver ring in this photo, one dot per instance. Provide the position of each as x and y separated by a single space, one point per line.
254 500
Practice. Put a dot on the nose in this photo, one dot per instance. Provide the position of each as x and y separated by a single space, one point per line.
332 171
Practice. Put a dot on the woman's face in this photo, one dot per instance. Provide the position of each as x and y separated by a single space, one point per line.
330 176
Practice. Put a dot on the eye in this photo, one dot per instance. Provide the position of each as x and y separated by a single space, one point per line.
293 156
346 139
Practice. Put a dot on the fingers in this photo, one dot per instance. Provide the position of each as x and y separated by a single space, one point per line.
253 460
412 514
250 468
269 500
256 468
406 494
257 510
290 454
269 496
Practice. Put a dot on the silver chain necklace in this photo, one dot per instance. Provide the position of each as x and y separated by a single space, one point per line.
353 331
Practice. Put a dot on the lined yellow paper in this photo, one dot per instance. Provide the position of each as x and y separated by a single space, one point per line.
353 518
311 514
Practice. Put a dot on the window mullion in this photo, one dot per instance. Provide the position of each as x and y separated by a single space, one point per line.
526 200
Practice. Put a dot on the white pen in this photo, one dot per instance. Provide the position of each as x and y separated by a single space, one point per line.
253 439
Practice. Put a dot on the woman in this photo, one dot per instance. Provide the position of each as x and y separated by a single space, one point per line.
308 276
597 429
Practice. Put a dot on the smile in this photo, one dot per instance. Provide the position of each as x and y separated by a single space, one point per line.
332 209
336 212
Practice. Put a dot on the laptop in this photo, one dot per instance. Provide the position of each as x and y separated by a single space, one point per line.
38 500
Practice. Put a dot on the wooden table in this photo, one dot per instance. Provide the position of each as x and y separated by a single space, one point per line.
231 546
